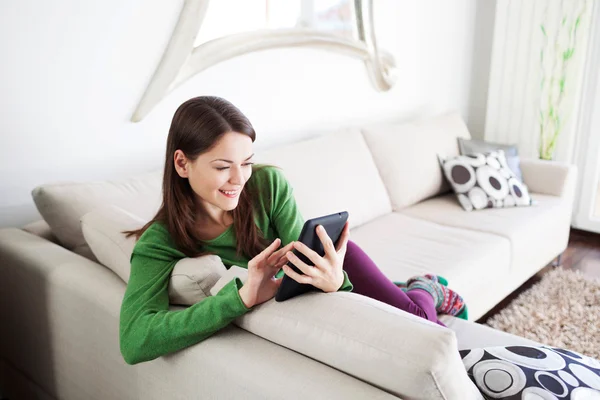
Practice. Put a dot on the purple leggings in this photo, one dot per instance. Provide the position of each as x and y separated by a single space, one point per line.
369 281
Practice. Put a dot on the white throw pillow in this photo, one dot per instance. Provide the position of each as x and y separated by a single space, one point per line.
192 279
102 229
63 204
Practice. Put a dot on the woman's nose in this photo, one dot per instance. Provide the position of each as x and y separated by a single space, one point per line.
236 176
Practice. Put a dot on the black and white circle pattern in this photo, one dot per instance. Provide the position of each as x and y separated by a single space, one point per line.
484 180
528 372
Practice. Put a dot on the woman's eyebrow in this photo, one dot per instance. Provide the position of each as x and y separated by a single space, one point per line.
231 162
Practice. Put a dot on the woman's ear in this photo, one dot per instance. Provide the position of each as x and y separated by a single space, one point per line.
181 163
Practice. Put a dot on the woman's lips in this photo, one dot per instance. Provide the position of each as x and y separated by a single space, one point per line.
231 196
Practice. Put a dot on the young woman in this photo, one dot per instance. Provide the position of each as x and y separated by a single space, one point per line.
215 201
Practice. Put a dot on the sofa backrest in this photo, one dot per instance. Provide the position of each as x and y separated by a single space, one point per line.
366 173
406 156
331 173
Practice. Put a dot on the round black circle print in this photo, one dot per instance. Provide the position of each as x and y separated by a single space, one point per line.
527 351
460 174
517 191
495 183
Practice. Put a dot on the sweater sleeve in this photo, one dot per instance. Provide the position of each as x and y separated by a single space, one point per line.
286 217
147 328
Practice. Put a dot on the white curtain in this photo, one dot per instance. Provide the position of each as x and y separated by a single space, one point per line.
530 64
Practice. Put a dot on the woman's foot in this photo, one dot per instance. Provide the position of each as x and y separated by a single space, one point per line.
435 278
446 300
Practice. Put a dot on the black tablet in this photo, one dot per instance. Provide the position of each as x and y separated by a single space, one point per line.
334 225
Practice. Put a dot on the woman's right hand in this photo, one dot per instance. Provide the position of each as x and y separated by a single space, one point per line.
261 284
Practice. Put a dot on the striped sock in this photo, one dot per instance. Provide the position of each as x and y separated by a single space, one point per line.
445 299
436 278
453 304
433 288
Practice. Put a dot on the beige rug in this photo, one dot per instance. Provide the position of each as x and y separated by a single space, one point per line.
561 310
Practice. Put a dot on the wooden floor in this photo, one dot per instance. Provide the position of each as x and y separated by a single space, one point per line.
582 254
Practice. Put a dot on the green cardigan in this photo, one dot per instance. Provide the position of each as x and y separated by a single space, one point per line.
147 328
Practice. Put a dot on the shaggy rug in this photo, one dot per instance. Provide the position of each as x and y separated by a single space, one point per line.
561 310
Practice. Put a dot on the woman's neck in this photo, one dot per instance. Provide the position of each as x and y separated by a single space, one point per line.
217 218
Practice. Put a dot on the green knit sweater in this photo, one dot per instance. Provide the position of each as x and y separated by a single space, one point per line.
147 328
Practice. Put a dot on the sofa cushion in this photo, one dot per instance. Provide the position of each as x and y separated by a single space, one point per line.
403 246
192 279
472 146
537 234
195 279
405 355
540 372
63 204
331 173
406 156
102 229
484 180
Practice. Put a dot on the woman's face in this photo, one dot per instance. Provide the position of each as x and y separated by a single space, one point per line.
219 175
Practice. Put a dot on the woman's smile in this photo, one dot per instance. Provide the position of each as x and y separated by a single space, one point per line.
230 194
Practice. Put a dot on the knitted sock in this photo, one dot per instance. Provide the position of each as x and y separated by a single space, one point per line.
445 299
401 285
435 278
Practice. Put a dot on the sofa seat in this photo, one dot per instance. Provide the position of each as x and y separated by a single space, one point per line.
544 221
472 335
403 246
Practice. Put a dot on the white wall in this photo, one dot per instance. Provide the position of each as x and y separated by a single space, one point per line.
73 71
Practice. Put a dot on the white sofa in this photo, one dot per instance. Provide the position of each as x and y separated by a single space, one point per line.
59 307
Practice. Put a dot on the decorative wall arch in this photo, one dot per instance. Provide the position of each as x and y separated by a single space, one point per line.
182 60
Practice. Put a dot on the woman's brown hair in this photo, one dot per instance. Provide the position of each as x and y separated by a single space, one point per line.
197 126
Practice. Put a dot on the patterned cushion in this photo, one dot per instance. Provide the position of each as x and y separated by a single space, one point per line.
511 152
532 372
484 180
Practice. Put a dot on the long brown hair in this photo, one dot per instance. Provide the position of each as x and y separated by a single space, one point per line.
197 126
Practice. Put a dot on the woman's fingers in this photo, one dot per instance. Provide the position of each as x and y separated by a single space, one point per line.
308 252
264 255
302 266
326 240
344 237
296 276
276 257
281 262
281 252
283 256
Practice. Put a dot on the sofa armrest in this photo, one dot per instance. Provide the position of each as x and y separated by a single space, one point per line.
31 250
549 177
401 353
29 264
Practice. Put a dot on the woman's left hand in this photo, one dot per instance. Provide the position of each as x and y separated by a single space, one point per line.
327 273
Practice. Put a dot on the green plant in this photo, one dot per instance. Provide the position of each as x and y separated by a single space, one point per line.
553 87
